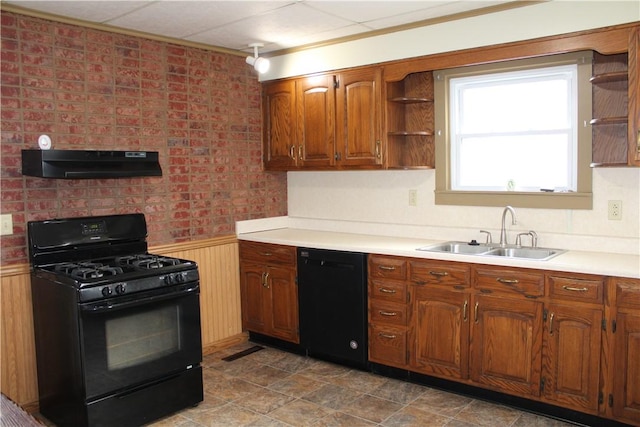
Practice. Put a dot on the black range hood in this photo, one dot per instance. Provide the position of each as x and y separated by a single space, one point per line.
88 164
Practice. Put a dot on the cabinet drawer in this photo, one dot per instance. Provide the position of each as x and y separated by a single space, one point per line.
388 291
388 312
509 281
438 273
387 267
267 253
388 345
627 292
578 287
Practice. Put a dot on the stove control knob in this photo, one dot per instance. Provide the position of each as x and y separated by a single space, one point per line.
179 278
106 291
168 279
121 288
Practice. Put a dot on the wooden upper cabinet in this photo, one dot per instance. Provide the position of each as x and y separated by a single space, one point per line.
279 131
616 106
358 118
634 97
315 98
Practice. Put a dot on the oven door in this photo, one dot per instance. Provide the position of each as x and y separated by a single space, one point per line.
130 341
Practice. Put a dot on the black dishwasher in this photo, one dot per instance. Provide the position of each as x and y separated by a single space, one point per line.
332 293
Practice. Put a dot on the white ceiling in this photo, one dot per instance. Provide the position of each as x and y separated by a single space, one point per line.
236 24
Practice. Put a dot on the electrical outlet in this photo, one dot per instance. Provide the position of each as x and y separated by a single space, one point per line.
615 209
6 224
413 197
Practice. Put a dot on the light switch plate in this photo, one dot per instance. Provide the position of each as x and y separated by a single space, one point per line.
6 224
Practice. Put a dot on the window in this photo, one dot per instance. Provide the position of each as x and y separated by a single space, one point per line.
515 133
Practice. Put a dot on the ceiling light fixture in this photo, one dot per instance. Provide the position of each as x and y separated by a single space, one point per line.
260 64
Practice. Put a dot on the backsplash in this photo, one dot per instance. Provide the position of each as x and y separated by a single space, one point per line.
96 90
378 203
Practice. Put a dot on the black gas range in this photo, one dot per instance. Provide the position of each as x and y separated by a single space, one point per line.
117 328
102 278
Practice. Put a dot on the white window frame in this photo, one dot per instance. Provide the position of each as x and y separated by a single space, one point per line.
579 193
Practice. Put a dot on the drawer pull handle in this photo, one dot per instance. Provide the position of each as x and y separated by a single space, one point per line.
387 267
508 281
387 291
265 280
475 313
292 152
438 273
573 289
266 253
464 310
387 313
389 336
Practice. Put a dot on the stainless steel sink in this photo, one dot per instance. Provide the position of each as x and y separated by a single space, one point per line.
465 248
458 248
541 254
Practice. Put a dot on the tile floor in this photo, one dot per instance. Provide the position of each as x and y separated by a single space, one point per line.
272 388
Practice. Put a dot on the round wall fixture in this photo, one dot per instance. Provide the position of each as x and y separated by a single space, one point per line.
44 142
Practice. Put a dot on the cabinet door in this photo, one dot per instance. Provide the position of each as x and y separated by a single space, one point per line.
634 97
358 118
440 332
316 121
254 297
626 362
279 130
571 356
506 344
284 303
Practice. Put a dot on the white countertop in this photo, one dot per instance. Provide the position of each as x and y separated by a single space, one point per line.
609 264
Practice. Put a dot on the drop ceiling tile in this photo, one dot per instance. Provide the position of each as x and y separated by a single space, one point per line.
276 29
362 12
438 9
93 11
194 16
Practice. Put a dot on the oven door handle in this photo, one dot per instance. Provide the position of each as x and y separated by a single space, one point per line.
101 306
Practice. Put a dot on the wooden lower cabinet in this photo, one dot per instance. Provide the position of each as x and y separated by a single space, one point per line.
268 290
270 301
626 376
388 312
625 395
565 339
440 332
506 343
571 356
388 345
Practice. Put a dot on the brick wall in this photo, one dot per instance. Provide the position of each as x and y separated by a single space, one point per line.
90 89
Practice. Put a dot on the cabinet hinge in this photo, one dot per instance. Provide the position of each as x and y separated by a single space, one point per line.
337 157
296 280
604 325
614 326
600 398
611 401
542 381
544 315
336 82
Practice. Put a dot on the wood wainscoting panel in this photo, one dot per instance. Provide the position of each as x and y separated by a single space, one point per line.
17 343
219 270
